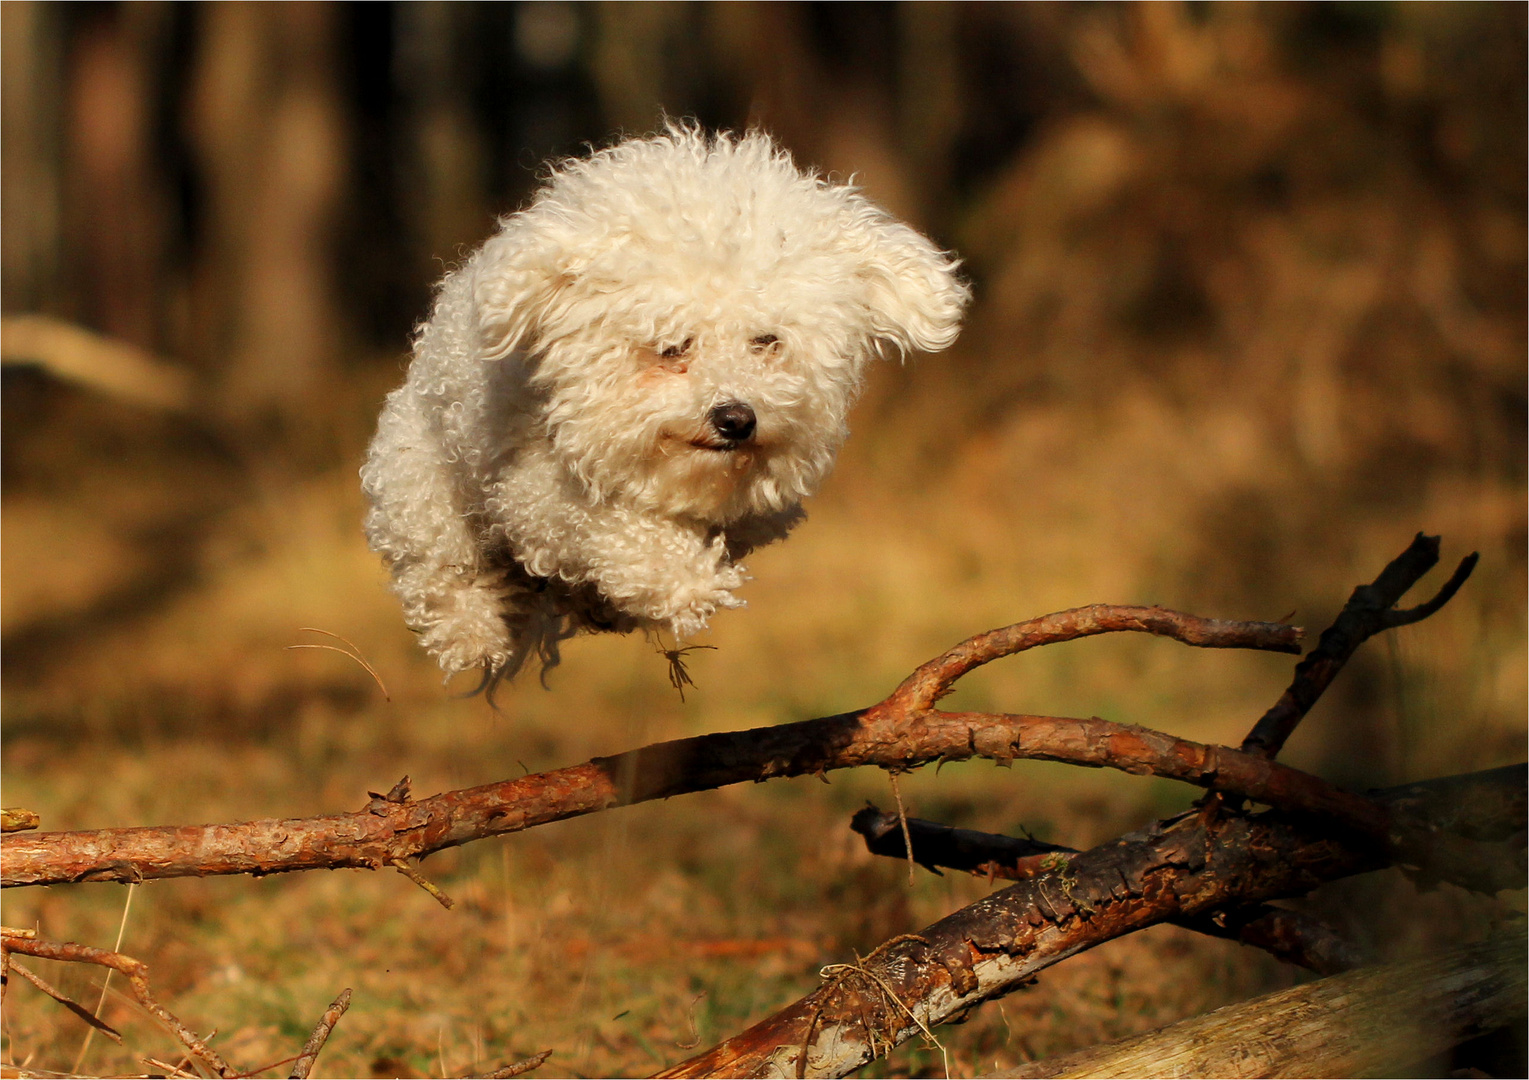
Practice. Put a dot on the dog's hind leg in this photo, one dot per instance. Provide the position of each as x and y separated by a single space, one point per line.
419 522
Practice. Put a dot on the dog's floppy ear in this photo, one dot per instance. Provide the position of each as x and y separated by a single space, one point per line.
913 296
514 281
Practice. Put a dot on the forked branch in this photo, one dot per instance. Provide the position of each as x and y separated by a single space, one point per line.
385 832
899 733
1370 609
137 975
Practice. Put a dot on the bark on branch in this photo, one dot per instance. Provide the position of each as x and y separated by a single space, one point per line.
1185 868
935 679
384 831
900 733
1291 936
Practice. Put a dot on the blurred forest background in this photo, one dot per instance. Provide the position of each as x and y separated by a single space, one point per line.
1250 312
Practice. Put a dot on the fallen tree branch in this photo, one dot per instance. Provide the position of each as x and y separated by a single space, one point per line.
384 831
106 365
137 975
899 733
1375 1021
1189 867
1291 936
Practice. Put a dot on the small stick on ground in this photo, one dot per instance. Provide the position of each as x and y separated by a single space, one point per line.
137 974
304 1064
517 1069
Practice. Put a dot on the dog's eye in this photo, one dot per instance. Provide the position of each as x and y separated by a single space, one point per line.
674 352
764 341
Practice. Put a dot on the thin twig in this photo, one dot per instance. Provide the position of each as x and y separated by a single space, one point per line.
516 1069
902 817
321 1030
423 882
137 975
1370 609
935 679
67 1002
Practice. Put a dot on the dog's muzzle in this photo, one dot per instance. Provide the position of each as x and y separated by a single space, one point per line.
733 421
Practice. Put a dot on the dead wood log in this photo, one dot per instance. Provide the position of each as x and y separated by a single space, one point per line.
385 832
1189 867
1291 936
900 733
104 364
1376 1021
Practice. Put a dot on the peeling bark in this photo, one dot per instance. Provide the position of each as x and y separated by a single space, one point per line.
1185 868
1291 936
389 829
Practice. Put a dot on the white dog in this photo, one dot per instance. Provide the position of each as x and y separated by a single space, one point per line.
630 386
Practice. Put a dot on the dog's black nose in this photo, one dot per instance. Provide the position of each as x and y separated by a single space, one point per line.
733 420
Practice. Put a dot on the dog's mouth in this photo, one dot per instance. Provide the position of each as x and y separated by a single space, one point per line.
708 441
719 446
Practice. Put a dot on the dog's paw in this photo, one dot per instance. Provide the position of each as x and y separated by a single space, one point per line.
696 605
466 629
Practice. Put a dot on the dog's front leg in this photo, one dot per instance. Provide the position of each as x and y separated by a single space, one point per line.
673 574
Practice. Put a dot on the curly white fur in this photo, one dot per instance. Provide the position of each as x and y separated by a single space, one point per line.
631 385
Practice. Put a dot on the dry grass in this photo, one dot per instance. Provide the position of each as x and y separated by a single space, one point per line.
1245 324
621 940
